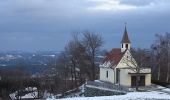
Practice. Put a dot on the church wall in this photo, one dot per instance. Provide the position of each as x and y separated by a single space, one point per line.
148 79
126 61
103 75
125 78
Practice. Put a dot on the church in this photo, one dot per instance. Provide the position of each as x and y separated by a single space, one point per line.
119 67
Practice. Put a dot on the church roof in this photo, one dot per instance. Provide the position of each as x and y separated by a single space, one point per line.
125 38
113 57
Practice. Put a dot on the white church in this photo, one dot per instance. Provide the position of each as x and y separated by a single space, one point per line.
119 66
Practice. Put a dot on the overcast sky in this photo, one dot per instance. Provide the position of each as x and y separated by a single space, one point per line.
33 25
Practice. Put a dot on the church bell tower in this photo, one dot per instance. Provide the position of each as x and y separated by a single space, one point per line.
125 43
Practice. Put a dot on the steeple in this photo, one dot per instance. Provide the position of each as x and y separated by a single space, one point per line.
125 38
125 43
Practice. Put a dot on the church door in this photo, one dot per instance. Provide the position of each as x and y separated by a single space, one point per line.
141 81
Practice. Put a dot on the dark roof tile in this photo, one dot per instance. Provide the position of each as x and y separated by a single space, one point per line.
113 57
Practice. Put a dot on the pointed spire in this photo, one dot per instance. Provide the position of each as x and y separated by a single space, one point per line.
125 38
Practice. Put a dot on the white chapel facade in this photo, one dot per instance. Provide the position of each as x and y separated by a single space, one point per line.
119 66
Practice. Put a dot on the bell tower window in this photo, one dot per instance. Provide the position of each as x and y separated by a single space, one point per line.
127 46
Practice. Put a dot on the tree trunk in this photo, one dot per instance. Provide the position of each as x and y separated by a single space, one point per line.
167 78
65 80
72 76
159 68
137 82
137 78
93 65
74 72
75 76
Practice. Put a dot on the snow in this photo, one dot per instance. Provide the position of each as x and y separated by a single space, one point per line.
49 55
128 96
100 56
82 89
33 93
30 88
106 64
12 96
167 89
91 86
98 81
30 95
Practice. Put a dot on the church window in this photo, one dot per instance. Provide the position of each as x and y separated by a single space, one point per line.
107 74
122 45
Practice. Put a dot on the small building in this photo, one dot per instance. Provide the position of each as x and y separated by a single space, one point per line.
119 66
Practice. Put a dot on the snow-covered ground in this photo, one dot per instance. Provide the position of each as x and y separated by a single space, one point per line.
158 93
129 96
162 93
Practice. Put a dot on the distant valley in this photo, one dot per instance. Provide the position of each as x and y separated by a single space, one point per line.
32 63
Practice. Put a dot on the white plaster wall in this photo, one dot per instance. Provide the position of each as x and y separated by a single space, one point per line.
103 77
148 79
125 78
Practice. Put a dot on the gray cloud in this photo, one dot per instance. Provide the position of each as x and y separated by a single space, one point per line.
45 24
139 2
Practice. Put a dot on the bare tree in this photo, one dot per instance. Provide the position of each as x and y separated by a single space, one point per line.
167 41
77 62
92 43
161 57
74 52
63 68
